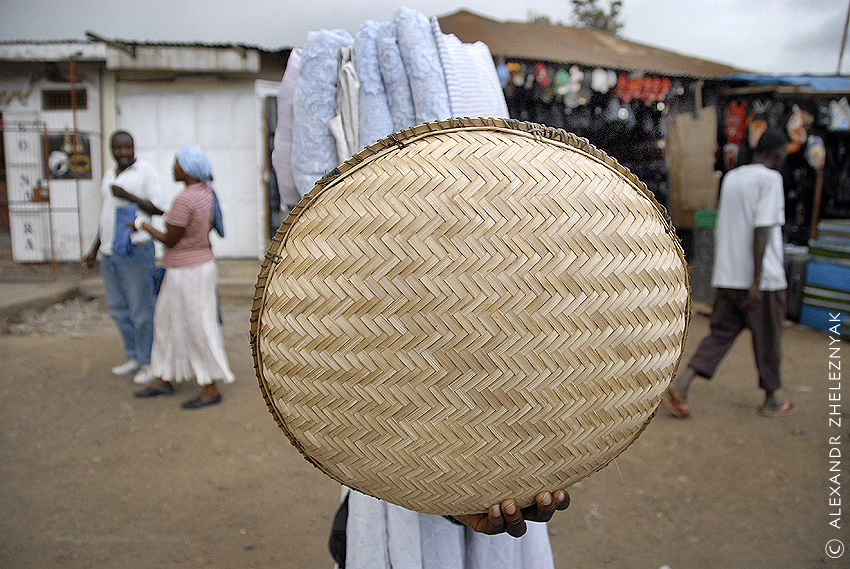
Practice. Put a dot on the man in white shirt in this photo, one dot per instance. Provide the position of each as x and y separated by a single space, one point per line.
749 276
132 189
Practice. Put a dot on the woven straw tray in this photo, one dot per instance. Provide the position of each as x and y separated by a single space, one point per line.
469 310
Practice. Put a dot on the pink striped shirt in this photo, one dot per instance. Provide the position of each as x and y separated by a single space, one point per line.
192 209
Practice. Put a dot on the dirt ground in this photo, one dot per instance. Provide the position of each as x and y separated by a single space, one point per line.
92 477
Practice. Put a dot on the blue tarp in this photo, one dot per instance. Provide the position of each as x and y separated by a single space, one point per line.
828 83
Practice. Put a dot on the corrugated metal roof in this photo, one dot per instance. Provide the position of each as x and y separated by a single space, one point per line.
237 46
42 42
52 51
95 38
131 55
582 46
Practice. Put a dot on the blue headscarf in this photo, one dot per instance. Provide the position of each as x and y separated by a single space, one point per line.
194 161
196 164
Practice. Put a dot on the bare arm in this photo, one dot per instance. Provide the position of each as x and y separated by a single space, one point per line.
145 205
759 247
90 259
173 233
760 237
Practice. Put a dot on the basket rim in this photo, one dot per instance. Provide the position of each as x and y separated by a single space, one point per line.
394 142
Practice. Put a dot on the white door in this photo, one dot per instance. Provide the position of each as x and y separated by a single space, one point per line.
224 123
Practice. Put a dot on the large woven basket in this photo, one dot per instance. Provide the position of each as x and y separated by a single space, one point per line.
469 310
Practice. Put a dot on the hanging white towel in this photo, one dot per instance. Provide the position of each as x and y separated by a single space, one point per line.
422 65
282 152
399 97
345 126
472 82
376 122
381 535
314 105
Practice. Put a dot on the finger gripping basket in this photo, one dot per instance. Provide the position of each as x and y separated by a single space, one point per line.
469 310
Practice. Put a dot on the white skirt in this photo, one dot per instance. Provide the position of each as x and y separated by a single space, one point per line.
187 340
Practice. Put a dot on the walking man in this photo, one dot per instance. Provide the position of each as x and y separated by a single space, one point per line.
749 276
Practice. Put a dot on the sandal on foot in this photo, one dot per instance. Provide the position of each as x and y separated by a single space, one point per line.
151 391
787 408
197 402
676 405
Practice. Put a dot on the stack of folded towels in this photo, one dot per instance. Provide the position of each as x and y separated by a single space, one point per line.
340 93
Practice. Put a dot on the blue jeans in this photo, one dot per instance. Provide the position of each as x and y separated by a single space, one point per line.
128 287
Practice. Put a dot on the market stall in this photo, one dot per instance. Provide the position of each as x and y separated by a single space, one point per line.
815 113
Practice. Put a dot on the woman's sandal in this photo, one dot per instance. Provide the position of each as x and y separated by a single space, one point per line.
676 405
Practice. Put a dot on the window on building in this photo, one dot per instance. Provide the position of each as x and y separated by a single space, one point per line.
60 99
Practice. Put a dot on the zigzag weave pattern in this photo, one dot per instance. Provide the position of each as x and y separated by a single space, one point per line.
467 311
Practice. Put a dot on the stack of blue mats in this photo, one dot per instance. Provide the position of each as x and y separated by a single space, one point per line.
826 296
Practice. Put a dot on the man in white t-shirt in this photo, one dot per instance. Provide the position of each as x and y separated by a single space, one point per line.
131 189
749 276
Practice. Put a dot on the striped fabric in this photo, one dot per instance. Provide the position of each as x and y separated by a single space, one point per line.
471 78
826 296
192 209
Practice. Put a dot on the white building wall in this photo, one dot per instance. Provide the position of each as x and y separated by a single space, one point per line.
222 119
167 97
43 231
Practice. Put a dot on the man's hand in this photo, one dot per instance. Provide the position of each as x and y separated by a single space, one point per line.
90 260
121 193
753 297
507 517
145 205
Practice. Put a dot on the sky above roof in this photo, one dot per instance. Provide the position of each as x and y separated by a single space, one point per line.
770 36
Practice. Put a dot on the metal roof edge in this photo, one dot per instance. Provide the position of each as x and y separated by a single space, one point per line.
94 39
117 42
52 51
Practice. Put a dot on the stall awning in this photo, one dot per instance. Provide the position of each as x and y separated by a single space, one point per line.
800 84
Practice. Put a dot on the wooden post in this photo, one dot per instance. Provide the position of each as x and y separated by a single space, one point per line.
73 73
813 229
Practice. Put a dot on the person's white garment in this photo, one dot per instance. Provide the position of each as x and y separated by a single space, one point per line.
187 341
380 535
345 126
385 536
282 152
751 196
139 179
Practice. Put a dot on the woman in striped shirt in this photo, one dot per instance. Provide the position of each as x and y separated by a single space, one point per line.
187 335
